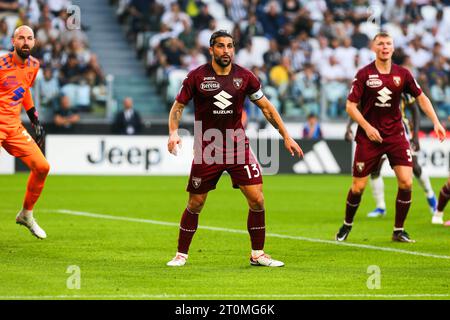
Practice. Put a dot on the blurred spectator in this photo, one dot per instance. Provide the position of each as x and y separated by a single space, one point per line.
273 56
359 39
188 37
71 72
48 88
194 59
311 129
253 28
175 19
334 86
8 7
47 33
205 34
204 18
248 57
65 117
440 95
306 88
272 19
236 10
5 39
128 121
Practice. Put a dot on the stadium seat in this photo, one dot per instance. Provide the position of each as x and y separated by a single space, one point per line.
393 29
216 9
225 24
428 13
370 29
260 44
175 79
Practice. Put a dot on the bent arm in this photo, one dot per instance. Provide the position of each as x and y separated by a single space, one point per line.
272 115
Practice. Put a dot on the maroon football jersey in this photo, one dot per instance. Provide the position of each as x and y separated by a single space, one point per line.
379 96
219 99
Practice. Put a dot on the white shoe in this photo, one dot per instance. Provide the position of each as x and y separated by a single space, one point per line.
27 220
437 219
178 261
265 260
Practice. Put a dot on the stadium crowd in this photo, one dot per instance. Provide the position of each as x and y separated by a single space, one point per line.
69 73
305 53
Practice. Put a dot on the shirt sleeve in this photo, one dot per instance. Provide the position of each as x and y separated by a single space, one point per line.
357 89
254 90
411 85
27 101
187 90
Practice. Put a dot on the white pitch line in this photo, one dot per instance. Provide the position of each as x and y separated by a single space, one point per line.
227 296
274 235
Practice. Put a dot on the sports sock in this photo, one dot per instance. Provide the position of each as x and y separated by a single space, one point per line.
402 207
256 228
353 200
39 170
378 191
188 226
34 189
424 181
444 196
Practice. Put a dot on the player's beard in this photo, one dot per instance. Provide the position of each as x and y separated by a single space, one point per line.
23 54
220 61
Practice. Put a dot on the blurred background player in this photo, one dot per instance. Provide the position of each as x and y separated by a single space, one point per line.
444 196
376 180
19 70
377 88
219 90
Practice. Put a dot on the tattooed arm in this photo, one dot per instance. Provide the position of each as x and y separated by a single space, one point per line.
275 120
174 122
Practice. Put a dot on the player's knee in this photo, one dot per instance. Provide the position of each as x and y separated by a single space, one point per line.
358 188
256 202
196 204
42 168
405 184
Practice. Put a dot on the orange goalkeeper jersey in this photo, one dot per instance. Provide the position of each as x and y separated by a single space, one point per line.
16 79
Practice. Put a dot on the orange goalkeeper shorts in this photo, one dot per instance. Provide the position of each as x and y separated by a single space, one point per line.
17 141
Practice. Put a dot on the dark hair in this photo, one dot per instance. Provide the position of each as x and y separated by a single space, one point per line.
218 34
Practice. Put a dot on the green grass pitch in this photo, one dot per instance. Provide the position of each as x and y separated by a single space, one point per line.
121 259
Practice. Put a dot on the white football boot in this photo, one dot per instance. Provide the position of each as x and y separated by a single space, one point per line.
438 218
25 218
178 261
265 260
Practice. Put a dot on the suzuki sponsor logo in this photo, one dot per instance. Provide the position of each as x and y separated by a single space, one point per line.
223 102
319 160
384 97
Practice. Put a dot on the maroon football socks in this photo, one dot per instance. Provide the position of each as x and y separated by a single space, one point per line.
188 226
444 196
256 228
353 200
402 207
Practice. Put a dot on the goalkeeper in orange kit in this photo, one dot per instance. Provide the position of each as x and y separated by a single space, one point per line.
18 70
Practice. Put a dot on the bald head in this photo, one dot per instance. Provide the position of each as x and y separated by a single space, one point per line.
23 41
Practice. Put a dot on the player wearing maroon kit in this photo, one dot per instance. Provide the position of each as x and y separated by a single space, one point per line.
219 90
377 88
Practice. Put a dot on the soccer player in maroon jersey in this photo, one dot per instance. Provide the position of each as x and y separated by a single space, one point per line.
377 88
219 90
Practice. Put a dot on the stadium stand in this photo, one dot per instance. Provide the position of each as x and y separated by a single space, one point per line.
68 66
305 51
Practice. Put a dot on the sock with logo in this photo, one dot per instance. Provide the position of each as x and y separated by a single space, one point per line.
256 228
188 226
402 207
353 200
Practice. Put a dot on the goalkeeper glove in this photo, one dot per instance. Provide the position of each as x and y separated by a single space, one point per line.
37 126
